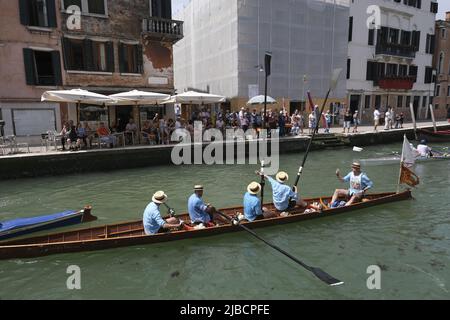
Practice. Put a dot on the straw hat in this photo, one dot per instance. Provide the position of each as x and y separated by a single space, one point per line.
356 164
282 177
198 188
159 197
254 188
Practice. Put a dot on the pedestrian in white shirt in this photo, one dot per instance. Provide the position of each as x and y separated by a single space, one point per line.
376 119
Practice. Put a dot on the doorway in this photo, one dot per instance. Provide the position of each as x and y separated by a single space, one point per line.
354 103
123 116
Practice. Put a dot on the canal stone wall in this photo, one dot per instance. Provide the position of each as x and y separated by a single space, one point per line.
64 163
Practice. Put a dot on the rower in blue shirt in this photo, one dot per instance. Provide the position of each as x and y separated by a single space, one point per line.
359 184
284 198
252 204
152 220
199 212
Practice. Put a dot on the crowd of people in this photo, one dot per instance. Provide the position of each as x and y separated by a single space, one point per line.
389 118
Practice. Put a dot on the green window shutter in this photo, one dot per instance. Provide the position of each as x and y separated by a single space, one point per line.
30 72
51 13
88 55
66 52
122 63
139 59
109 47
56 60
24 12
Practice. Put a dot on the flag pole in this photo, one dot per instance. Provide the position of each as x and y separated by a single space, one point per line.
401 165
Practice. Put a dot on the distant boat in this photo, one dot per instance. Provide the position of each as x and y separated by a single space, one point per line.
18 227
431 136
396 160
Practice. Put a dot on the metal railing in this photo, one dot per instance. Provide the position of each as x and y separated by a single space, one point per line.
163 27
394 49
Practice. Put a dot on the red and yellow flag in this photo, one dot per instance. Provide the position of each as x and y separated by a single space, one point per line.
408 177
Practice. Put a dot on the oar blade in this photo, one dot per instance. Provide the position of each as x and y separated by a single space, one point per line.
325 277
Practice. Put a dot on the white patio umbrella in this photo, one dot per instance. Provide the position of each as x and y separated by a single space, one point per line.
138 97
193 97
260 100
77 96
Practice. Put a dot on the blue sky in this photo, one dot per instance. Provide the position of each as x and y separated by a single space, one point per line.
444 5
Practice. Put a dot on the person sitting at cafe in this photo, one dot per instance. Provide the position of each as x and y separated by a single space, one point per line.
105 135
82 134
64 134
131 131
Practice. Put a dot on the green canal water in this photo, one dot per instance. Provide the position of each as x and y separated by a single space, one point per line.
409 240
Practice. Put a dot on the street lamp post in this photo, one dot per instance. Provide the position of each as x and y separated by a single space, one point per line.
267 68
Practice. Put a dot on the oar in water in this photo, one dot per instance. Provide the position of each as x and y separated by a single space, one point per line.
319 273
333 84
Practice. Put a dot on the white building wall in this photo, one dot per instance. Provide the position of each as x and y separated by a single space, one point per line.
394 15
206 58
225 42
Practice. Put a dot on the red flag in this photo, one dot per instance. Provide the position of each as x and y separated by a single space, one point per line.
408 177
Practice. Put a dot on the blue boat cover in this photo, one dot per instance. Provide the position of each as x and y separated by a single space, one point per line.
26 222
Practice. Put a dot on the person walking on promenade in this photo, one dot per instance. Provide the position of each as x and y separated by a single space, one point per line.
387 119
376 119
328 121
355 121
347 121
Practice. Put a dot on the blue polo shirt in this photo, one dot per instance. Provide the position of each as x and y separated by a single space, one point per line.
252 206
357 183
197 210
152 219
281 194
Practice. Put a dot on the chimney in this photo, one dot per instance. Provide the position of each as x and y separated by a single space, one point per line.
447 16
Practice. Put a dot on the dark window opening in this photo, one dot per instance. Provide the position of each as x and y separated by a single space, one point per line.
131 59
350 29
96 7
45 75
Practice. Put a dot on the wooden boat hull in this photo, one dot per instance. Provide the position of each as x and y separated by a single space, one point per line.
36 224
396 160
431 136
131 233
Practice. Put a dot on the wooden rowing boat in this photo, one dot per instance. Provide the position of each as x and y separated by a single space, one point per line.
431 136
396 160
132 233
23 226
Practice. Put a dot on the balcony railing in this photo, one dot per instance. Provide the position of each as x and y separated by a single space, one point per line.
397 82
163 29
394 49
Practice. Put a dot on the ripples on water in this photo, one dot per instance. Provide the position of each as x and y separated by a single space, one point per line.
409 240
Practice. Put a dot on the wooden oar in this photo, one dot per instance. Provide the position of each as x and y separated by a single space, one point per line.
319 273
333 85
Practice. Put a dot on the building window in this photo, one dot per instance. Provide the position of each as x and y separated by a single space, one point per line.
350 29
377 101
131 58
430 43
161 9
436 106
98 7
413 72
88 55
448 91
408 101
438 91
443 33
371 41
38 13
371 70
428 74
400 102
367 102
434 7
42 68
391 70
424 101
403 70
393 35
349 64
441 63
